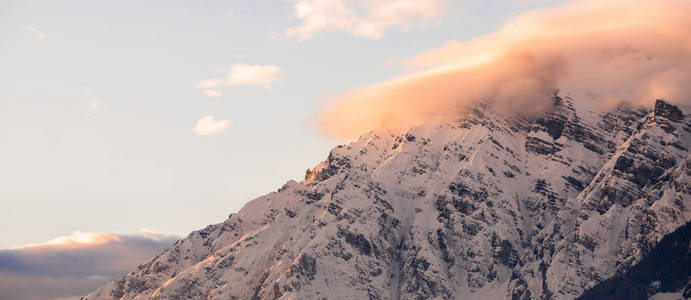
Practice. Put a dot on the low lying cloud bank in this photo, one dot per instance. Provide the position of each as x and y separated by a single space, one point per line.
606 51
71 266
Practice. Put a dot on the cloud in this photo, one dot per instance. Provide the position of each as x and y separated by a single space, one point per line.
244 74
208 125
79 238
606 51
39 35
368 19
69 266
212 93
157 235
95 107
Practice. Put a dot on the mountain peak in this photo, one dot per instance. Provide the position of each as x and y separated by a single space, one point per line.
487 206
668 110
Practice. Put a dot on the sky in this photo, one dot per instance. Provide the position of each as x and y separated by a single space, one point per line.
125 125
170 115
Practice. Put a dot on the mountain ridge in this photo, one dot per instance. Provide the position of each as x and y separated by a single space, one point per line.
485 206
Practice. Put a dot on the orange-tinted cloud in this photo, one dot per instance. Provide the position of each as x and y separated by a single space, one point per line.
77 238
606 50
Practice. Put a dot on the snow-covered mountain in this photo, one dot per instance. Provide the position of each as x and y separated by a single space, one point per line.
486 207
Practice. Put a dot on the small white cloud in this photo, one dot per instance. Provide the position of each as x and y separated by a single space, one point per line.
369 19
95 107
244 74
208 125
212 93
156 235
39 35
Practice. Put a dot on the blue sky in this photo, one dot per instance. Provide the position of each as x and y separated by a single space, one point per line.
98 104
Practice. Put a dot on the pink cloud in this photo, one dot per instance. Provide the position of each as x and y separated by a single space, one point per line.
610 50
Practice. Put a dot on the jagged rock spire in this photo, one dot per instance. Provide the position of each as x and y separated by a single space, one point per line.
668 110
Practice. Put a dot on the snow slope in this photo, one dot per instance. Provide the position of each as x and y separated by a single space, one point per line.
488 206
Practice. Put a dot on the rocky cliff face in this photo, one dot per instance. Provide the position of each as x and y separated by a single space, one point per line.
488 206
664 273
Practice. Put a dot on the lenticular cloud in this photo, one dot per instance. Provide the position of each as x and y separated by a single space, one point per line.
606 51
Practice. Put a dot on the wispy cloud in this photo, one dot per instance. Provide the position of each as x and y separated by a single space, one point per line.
244 74
39 35
95 107
636 54
368 19
69 266
212 93
156 235
208 125
77 238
